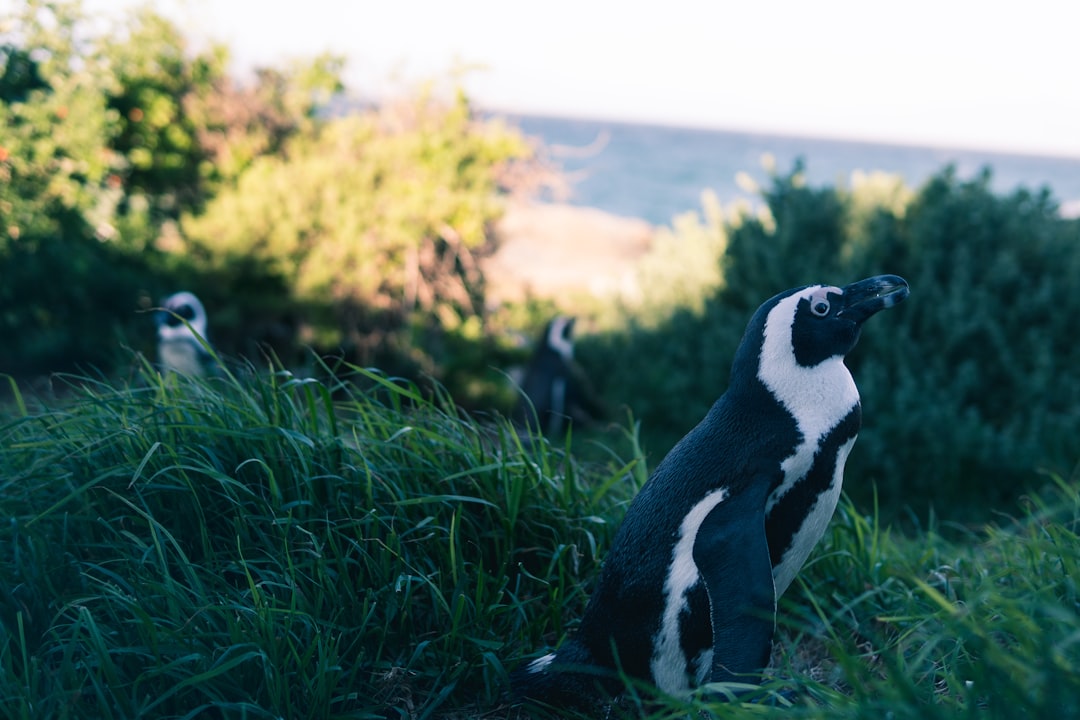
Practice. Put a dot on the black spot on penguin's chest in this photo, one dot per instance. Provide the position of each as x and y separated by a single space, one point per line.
792 509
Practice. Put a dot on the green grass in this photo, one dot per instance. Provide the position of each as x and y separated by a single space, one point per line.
921 627
266 546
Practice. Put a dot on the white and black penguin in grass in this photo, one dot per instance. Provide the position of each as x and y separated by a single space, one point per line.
687 593
181 322
554 389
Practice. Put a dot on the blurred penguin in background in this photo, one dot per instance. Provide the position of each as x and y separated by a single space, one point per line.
554 389
180 324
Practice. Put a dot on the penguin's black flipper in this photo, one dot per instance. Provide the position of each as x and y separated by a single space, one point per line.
732 556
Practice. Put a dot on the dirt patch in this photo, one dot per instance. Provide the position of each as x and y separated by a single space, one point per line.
551 250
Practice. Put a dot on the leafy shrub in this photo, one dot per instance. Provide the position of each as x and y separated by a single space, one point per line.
133 167
967 387
61 281
104 140
373 222
974 384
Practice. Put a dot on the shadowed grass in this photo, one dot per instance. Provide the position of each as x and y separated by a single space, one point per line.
924 628
257 547
273 547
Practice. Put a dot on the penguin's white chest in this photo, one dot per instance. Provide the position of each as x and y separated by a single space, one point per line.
182 355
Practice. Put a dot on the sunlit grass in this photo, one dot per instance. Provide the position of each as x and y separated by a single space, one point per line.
269 546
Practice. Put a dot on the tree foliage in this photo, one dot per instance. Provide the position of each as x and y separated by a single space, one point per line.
348 234
377 217
56 193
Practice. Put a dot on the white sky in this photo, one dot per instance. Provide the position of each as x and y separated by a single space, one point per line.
959 73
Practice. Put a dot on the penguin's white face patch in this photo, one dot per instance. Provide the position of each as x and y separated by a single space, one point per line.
559 337
183 305
668 663
818 396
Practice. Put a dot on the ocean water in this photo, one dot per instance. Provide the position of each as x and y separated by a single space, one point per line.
657 172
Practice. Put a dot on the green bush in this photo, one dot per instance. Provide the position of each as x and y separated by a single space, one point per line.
373 222
64 284
105 138
968 389
973 383
131 167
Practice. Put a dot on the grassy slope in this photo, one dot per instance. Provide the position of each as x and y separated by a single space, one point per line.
259 547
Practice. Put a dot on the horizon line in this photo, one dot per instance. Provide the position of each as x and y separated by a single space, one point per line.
735 129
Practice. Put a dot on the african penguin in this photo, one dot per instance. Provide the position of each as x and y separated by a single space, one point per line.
687 593
181 329
554 389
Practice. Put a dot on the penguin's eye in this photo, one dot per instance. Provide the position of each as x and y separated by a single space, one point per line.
820 307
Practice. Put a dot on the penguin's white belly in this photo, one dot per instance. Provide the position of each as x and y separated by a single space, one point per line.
182 356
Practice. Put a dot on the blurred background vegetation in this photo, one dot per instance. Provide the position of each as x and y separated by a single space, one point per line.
132 165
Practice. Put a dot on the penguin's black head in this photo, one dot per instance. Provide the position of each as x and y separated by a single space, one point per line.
806 326
828 320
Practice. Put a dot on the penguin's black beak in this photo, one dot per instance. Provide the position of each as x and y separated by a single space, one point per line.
866 297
